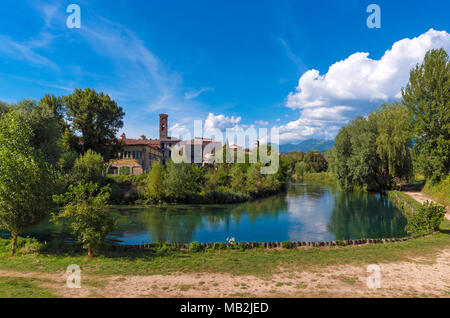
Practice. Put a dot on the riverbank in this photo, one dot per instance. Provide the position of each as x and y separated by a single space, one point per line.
422 197
414 278
415 268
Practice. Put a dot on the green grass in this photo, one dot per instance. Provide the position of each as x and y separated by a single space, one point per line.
19 287
323 177
395 195
440 192
259 262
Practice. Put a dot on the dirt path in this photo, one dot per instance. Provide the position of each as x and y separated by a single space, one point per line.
418 278
421 198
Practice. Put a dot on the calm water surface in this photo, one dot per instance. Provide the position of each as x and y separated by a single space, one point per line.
306 212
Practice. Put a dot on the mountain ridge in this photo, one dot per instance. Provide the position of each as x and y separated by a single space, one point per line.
307 145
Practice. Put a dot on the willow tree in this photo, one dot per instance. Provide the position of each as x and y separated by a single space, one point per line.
27 182
427 96
374 152
394 140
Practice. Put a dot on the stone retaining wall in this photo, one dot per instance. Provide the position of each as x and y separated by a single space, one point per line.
274 245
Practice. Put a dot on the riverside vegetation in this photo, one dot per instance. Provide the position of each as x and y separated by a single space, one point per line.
52 156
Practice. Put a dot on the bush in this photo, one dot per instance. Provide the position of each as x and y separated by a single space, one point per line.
164 248
195 247
287 245
24 245
124 171
86 207
428 218
440 191
89 167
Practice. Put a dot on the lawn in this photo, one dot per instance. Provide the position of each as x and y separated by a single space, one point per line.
19 287
258 262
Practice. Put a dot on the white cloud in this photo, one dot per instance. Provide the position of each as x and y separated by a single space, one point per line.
261 122
355 86
24 52
361 78
221 121
195 93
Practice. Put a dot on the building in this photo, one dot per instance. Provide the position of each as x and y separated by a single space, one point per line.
139 154
202 151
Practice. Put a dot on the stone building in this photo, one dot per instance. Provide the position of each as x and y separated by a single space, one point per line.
202 151
139 154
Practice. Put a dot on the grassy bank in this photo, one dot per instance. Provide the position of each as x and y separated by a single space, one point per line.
257 262
439 192
19 287
322 177
403 201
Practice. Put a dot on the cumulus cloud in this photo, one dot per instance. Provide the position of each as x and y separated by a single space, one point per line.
221 121
355 86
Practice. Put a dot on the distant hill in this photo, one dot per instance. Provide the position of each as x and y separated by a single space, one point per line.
306 145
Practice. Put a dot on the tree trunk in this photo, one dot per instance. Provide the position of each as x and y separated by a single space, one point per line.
14 244
89 251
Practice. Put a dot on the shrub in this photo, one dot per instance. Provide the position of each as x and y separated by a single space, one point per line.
167 248
220 246
287 245
87 209
89 167
427 219
24 245
124 171
195 247
154 184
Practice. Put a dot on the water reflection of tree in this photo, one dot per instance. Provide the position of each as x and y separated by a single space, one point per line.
313 190
163 224
364 215
271 206
179 223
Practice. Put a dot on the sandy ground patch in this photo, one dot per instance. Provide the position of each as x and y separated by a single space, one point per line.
418 278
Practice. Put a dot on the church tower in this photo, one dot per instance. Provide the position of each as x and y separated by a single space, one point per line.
163 127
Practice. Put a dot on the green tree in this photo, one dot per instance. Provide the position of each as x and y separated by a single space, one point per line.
301 169
373 152
3 108
27 182
97 118
179 182
46 128
394 140
154 187
56 106
238 177
89 167
291 159
89 215
254 179
427 96
315 161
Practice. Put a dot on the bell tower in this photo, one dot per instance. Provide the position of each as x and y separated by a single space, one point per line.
163 126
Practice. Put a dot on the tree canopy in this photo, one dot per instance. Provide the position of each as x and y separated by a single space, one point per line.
27 182
97 118
427 96
367 155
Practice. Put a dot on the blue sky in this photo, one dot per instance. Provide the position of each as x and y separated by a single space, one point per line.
306 67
